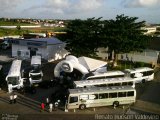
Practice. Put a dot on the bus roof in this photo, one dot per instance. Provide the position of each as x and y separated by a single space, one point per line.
141 69
15 68
108 73
100 89
102 81
36 60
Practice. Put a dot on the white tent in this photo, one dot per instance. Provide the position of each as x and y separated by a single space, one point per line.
91 64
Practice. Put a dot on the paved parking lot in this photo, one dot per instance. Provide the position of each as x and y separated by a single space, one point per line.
28 105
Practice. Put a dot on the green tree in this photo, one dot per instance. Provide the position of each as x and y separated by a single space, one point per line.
125 34
18 27
84 36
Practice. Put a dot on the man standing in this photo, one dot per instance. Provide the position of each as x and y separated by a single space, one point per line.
50 107
42 107
14 98
10 99
47 101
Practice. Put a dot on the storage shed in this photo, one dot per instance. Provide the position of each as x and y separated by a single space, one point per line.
50 49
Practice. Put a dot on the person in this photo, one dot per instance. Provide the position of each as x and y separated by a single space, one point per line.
55 105
14 98
10 99
42 107
47 101
50 107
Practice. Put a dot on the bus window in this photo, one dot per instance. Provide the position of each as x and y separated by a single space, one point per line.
103 85
130 93
130 83
83 97
109 85
124 83
117 84
132 75
94 96
147 73
112 95
122 94
73 99
102 96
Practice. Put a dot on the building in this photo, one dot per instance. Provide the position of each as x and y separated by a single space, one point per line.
150 29
50 49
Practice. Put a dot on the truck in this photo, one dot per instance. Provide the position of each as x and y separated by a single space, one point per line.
35 74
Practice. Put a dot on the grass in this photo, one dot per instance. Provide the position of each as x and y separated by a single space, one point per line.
121 65
7 32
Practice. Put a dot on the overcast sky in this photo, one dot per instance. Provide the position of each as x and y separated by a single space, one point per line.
148 10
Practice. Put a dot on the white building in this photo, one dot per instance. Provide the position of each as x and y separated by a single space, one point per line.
48 48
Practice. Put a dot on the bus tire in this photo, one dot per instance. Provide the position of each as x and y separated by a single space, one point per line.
143 81
115 103
82 106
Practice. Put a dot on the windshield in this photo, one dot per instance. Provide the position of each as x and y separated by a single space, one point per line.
36 77
13 80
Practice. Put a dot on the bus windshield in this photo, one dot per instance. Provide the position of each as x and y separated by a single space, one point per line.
36 77
13 80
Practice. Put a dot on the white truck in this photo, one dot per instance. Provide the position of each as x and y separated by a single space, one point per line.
35 74
14 78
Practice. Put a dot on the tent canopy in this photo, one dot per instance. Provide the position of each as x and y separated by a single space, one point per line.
90 63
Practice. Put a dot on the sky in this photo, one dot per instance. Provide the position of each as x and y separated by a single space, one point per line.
148 10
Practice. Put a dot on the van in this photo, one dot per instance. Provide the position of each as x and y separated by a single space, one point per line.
140 75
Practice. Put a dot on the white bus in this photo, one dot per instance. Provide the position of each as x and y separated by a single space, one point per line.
140 75
35 74
108 82
108 74
100 96
14 79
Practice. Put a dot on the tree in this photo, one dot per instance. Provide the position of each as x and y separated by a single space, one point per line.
84 36
18 27
125 34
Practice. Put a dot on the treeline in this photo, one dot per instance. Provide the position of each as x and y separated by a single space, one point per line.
121 35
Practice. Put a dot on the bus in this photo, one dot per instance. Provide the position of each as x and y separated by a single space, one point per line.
100 96
14 78
35 74
108 74
108 82
140 75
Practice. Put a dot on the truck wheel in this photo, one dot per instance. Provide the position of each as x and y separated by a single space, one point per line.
82 106
115 103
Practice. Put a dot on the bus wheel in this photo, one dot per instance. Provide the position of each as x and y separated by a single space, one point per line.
143 81
82 106
115 103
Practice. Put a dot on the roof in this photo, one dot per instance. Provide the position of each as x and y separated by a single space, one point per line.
102 81
15 68
100 89
50 41
108 73
90 63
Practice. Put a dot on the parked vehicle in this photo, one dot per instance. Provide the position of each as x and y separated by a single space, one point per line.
35 74
140 75
100 96
14 78
108 74
121 81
